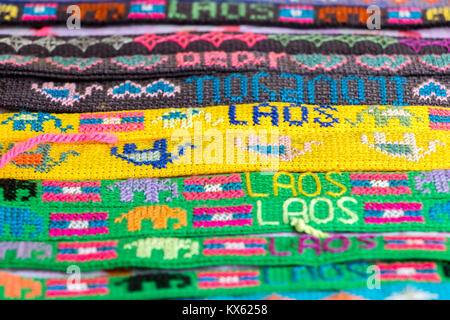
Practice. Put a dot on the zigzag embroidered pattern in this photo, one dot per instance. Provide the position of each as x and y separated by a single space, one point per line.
219 13
242 204
379 138
287 118
119 66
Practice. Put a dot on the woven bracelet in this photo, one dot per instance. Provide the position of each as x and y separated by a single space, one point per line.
407 291
188 63
269 136
173 11
111 46
251 203
216 89
178 253
149 284
381 3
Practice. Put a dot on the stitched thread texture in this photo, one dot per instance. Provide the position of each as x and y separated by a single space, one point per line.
224 205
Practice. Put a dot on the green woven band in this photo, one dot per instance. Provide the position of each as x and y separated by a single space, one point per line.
171 253
224 205
210 282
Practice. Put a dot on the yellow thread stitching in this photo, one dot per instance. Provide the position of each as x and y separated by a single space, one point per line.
301 226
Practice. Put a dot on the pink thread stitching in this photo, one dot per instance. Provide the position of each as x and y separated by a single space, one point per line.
55 138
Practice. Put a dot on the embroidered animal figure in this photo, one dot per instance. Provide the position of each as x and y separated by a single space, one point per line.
40 159
35 120
382 117
184 119
170 246
102 11
24 249
159 215
67 94
387 62
149 186
439 178
14 284
281 150
407 148
157 157
162 280
17 219
11 186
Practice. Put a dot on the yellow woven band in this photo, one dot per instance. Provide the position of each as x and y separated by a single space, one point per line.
251 137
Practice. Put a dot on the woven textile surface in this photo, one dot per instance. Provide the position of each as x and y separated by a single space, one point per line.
274 150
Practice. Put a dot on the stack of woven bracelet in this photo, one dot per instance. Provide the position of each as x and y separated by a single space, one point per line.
159 161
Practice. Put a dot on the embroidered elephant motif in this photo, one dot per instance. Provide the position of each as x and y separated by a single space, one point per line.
149 186
40 159
35 121
382 117
162 280
102 11
11 186
170 246
439 178
24 249
159 215
17 219
14 284
407 148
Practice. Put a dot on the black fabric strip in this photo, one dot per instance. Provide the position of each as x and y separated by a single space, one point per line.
211 89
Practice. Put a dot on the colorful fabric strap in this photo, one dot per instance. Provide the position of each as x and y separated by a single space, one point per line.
213 88
408 291
175 253
252 203
380 3
144 28
182 63
150 284
211 12
270 136
183 41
